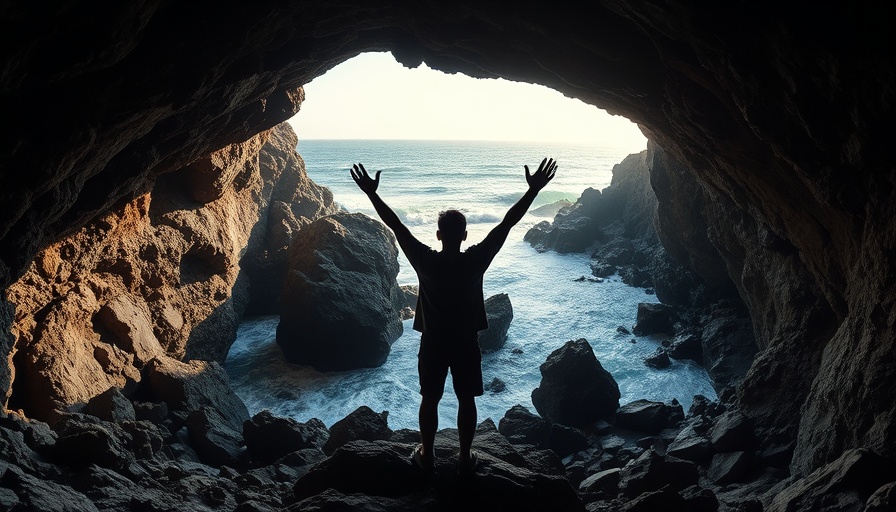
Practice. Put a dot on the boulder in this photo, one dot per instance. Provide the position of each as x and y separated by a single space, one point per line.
687 346
575 390
690 445
269 437
732 431
648 416
361 424
111 405
216 443
340 299
654 318
190 386
520 426
499 311
729 467
652 471
659 359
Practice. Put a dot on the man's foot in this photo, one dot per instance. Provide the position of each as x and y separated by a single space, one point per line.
423 461
468 467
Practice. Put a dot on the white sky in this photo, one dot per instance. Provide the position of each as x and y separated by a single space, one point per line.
374 97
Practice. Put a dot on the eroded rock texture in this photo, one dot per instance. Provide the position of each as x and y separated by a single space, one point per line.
159 275
783 125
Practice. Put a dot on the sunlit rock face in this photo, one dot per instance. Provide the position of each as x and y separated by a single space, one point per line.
783 126
158 275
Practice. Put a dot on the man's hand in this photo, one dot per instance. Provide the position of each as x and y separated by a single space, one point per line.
367 184
542 176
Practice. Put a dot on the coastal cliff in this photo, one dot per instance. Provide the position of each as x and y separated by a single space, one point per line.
779 183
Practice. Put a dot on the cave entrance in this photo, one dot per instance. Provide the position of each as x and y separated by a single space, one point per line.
451 141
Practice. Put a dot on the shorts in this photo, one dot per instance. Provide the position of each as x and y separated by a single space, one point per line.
460 354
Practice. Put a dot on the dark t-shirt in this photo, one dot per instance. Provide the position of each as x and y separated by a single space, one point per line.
449 296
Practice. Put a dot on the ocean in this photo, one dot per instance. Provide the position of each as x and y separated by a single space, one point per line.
551 304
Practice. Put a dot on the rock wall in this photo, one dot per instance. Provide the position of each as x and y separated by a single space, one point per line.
782 113
160 274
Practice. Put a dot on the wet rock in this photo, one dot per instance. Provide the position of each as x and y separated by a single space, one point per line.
659 359
575 390
654 318
269 437
496 385
688 346
340 297
361 424
499 311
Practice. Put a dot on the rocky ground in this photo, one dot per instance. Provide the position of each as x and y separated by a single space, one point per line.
184 441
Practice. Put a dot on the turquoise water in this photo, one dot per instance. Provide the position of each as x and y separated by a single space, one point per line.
482 179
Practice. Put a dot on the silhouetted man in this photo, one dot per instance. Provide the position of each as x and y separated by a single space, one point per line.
450 308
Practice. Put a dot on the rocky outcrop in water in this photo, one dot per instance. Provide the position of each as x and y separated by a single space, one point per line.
575 390
339 303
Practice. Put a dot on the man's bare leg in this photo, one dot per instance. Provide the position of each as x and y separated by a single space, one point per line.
466 427
429 423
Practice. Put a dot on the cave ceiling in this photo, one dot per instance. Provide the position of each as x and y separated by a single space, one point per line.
772 104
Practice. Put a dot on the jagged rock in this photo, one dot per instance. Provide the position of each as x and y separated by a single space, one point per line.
269 438
45 495
338 304
648 416
654 318
214 439
689 445
732 431
155 412
188 387
699 499
651 472
383 472
729 467
659 359
883 499
361 424
294 202
111 405
575 390
499 311
688 346
844 484
83 443
496 385
520 426
606 481
662 499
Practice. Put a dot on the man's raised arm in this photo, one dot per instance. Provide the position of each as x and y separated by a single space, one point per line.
369 185
536 181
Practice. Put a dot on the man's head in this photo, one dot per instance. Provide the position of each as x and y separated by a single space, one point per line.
452 227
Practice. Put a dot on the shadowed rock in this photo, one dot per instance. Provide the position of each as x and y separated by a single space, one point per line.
339 301
499 311
575 390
